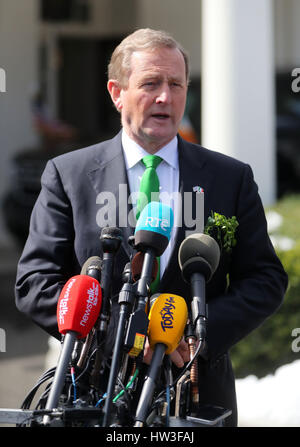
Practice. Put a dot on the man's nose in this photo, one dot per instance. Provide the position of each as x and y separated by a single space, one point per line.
164 95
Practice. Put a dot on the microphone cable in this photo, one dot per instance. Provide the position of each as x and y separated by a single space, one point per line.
188 365
124 388
30 396
168 376
73 383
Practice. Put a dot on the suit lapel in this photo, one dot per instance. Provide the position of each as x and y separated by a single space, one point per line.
191 174
109 180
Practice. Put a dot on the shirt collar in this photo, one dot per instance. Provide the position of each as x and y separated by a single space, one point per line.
133 152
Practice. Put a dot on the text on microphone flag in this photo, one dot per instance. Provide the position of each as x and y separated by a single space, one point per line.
167 320
79 305
156 217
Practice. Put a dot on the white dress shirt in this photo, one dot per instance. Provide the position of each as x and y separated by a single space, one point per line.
168 174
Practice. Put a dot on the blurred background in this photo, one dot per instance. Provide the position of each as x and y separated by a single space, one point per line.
244 100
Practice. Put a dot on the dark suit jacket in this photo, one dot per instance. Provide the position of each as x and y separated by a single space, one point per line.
64 233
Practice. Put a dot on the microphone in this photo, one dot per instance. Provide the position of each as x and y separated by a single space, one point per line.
137 267
78 308
111 239
92 267
168 317
127 274
153 228
152 235
198 258
126 301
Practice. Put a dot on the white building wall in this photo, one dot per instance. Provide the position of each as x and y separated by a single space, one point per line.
181 19
238 109
287 34
18 57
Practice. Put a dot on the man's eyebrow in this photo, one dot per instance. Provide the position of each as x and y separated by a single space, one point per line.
151 76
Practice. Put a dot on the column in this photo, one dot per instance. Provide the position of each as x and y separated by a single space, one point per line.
238 105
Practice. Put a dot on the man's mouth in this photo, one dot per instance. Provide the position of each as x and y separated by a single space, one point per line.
160 116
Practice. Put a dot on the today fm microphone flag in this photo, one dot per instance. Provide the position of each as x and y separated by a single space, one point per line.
168 317
78 308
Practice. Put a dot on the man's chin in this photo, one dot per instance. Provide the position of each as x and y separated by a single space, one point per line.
159 139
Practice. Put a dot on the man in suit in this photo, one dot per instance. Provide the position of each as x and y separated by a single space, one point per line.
87 189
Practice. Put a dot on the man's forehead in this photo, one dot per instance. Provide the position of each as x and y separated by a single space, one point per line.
157 53
156 61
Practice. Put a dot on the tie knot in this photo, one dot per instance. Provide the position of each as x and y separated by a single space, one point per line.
151 161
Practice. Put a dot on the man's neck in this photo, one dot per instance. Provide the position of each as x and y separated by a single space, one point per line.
150 146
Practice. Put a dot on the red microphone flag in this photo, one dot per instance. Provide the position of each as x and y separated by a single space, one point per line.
79 305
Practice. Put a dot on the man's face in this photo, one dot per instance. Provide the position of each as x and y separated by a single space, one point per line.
153 103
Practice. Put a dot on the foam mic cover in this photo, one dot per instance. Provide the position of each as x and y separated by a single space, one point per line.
92 267
111 238
168 317
137 266
154 227
79 305
198 253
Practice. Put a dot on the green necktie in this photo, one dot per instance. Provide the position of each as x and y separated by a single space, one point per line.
149 186
149 189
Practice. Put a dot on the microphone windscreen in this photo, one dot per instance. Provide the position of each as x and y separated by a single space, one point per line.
137 266
199 251
92 262
111 232
79 305
167 320
111 238
154 227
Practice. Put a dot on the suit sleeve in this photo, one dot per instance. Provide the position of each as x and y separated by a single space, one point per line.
257 280
47 260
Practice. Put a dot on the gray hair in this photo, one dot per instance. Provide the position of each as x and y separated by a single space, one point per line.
140 40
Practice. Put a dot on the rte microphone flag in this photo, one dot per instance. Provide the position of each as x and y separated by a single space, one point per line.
154 227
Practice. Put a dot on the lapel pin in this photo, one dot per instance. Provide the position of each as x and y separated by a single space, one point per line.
198 189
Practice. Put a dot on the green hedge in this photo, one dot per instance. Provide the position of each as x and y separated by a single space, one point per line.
270 346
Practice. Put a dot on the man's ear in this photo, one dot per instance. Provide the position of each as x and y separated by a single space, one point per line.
114 89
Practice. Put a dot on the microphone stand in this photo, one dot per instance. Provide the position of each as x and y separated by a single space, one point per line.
138 322
198 305
93 269
126 300
145 279
111 239
60 372
149 385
